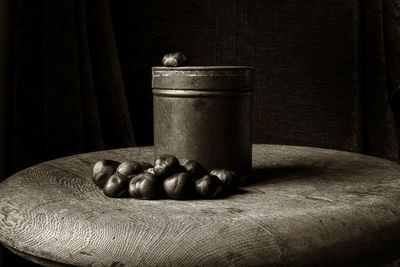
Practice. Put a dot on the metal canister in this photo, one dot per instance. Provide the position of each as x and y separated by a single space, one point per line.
204 113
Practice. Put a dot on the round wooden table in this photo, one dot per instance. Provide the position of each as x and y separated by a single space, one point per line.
303 206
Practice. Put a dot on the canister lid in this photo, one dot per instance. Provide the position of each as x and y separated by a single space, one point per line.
203 78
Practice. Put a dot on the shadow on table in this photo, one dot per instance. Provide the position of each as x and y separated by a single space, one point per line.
277 174
7 258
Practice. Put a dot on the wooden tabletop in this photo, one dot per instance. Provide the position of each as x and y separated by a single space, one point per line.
303 206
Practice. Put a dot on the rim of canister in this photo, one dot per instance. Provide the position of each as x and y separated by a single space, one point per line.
203 78
201 67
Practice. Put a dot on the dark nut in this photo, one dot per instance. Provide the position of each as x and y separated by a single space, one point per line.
145 186
174 59
102 170
145 165
116 185
166 165
194 168
209 186
229 179
129 167
179 186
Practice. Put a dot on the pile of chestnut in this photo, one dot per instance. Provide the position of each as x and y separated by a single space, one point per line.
167 178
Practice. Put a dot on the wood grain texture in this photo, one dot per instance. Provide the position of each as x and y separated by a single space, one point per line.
303 206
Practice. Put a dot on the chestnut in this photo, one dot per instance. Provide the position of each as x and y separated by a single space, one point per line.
229 178
116 185
208 186
166 165
145 186
194 168
129 167
179 186
174 59
145 165
102 170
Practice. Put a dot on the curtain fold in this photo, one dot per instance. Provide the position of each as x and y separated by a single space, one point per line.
381 77
112 102
69 95
391 35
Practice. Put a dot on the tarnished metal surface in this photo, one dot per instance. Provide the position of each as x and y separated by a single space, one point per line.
204 113
203 78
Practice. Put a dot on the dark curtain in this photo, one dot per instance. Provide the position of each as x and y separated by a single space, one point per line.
307 87
322 67
328 72
381 77
69 95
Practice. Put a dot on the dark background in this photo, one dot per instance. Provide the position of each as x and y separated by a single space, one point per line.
75 76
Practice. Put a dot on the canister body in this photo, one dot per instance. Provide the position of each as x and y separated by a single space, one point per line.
204 113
